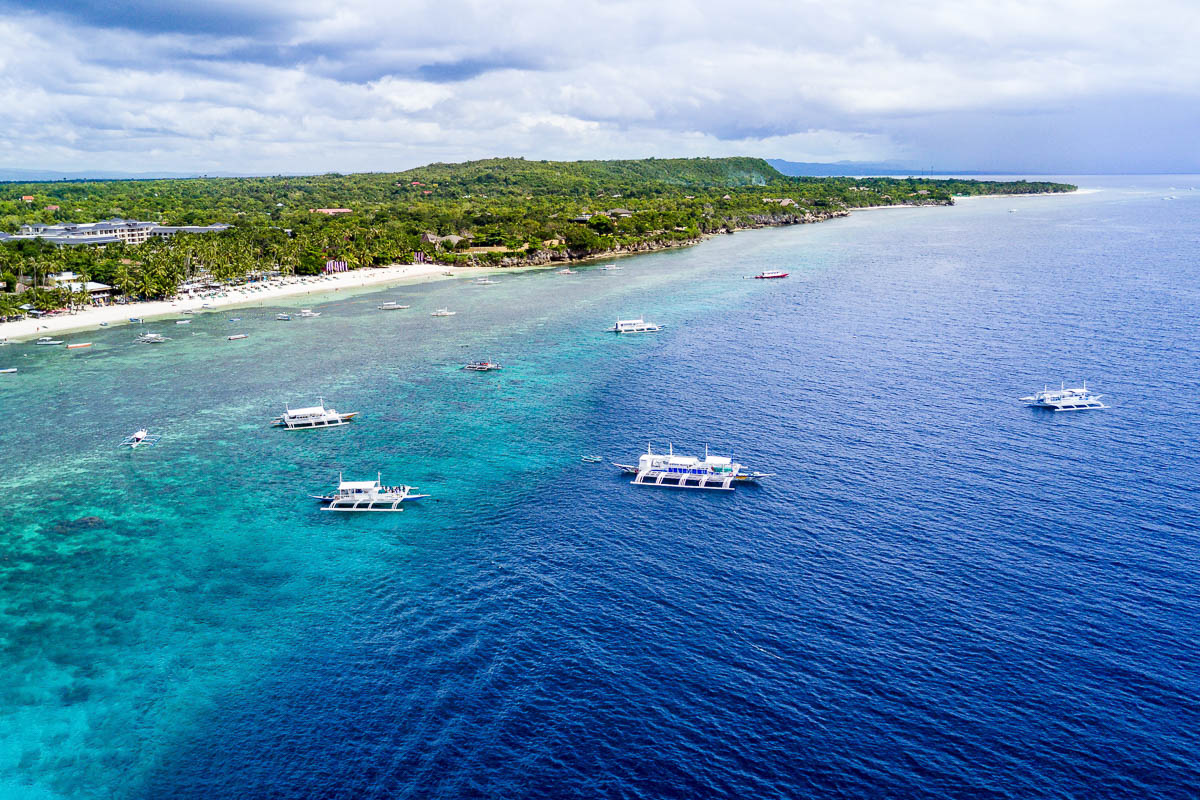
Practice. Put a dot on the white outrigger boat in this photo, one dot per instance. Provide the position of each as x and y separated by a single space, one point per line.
284 317
48 340
317 416
1064 399
367 496
392 305
140 438
689 472
482 366
308 313
638 325
485 281
151 338
443 312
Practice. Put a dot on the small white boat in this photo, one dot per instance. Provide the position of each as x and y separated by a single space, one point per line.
610 268
565 271
235 319
482 366
591 459
140 438
1064 399
317 416
638 325
485 281
183 322
283 317
103 324
367 496
443 312
151 338
392 305
308 313
136 320
47 340
236 336
8 371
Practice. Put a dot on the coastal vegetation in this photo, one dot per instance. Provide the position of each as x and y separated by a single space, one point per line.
505 211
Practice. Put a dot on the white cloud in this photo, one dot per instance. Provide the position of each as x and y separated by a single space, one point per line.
362 85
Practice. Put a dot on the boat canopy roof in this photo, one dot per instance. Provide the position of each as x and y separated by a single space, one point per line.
305 412
637 321
717 460
361 485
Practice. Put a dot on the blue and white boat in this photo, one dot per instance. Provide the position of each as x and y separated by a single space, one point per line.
689 472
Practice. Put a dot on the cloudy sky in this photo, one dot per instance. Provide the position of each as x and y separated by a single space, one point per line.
291 86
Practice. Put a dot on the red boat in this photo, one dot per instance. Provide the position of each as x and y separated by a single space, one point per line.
771 274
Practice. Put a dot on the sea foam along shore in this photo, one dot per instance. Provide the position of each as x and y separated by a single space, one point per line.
257 293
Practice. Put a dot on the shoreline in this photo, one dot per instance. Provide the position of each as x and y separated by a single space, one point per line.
250 294
393 274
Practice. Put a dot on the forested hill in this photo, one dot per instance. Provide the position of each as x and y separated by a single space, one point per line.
585 177
496 211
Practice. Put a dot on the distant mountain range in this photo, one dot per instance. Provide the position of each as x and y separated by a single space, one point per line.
863 168
34 175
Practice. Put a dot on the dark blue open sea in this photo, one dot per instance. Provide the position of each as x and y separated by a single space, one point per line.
942 594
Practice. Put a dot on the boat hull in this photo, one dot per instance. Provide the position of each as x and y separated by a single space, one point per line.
341 419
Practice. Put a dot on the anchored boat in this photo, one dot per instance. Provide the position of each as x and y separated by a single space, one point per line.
483 366
638 325
443 312
140 438
1064 399
367 496
317 416
771 273
308 313
46 340
151 338
689 472
392 305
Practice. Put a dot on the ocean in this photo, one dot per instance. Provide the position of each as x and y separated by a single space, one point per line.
940 594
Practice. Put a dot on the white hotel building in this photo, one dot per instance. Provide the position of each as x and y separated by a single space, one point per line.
129 231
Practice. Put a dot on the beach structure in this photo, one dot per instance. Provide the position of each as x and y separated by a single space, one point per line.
129 231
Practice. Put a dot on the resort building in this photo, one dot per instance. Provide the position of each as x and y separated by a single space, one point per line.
129 231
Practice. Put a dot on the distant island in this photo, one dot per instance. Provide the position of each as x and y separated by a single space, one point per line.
494 212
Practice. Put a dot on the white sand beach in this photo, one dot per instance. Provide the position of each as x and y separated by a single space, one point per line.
256 293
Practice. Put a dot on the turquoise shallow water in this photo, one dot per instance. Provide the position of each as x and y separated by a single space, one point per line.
942 594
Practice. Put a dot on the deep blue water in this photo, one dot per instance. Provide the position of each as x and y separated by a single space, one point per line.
942 594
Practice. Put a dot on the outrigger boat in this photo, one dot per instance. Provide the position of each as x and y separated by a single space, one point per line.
392 305
638 325
688 472
367 496
151 338
443 312
8 371
610 267
591 459
308 313
140 438
485 281
47 340
483 366
317 416
565 271
1064 399
283 317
